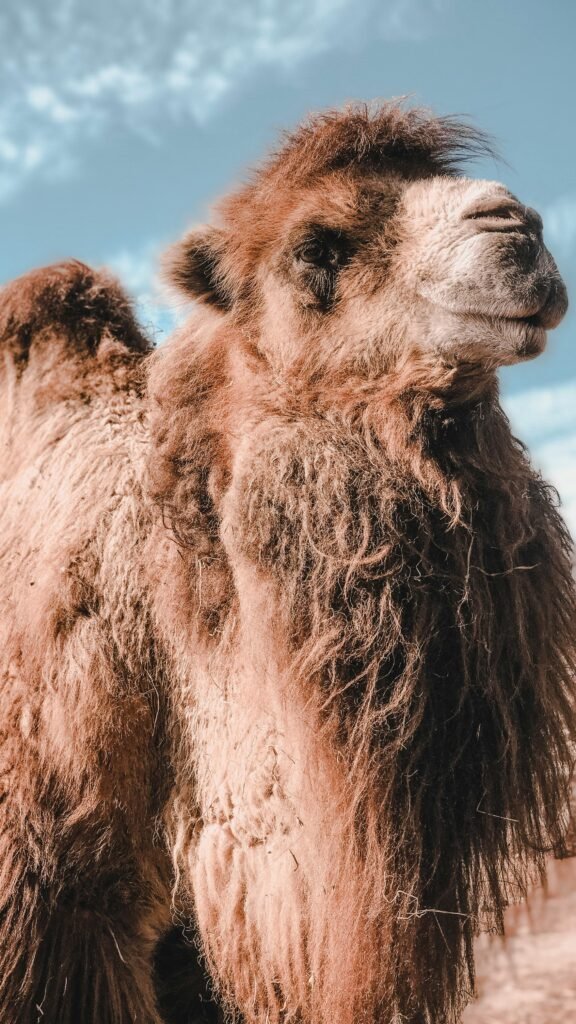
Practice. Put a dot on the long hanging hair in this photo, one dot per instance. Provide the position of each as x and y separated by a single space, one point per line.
423 577
426 576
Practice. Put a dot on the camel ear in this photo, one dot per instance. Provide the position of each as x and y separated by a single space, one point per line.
194 266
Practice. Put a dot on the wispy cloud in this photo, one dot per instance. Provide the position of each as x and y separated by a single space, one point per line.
69 70
560 225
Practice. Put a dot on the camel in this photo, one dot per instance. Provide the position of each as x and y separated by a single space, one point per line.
287 616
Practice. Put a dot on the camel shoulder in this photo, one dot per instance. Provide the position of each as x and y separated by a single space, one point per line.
67 309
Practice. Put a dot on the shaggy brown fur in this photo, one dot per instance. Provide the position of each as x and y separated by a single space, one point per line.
313 680
85 886
424 599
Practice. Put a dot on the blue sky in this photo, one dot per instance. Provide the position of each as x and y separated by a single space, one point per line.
121 121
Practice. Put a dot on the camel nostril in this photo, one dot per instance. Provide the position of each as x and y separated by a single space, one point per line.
502 210
501 213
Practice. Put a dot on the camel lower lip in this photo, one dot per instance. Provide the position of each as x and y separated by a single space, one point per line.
527 332
522 338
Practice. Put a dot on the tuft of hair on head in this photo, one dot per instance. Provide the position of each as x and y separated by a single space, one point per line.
377 136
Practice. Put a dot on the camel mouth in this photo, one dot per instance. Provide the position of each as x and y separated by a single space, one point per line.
505 318
534 322
488 338
527 334
503 338
548 314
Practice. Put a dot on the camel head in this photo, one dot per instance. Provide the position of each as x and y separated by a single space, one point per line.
376 582
359 245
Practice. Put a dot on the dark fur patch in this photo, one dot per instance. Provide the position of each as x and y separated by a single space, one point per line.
64 962
183 988
376 137
438 618
69 300
193 266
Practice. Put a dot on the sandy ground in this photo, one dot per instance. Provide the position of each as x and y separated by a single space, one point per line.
531 977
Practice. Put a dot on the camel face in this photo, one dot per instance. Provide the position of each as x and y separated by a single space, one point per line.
368 270
359 246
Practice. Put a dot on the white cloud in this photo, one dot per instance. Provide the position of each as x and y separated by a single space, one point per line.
69 70
545 419
560 225
137 270
541 412
43 99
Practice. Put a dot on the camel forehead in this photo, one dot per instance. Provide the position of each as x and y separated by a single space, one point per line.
365 198
357 201
343 199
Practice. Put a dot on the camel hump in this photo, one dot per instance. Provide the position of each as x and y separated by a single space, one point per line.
71 303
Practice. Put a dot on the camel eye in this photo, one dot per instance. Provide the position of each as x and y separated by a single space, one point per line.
325 249
317 252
